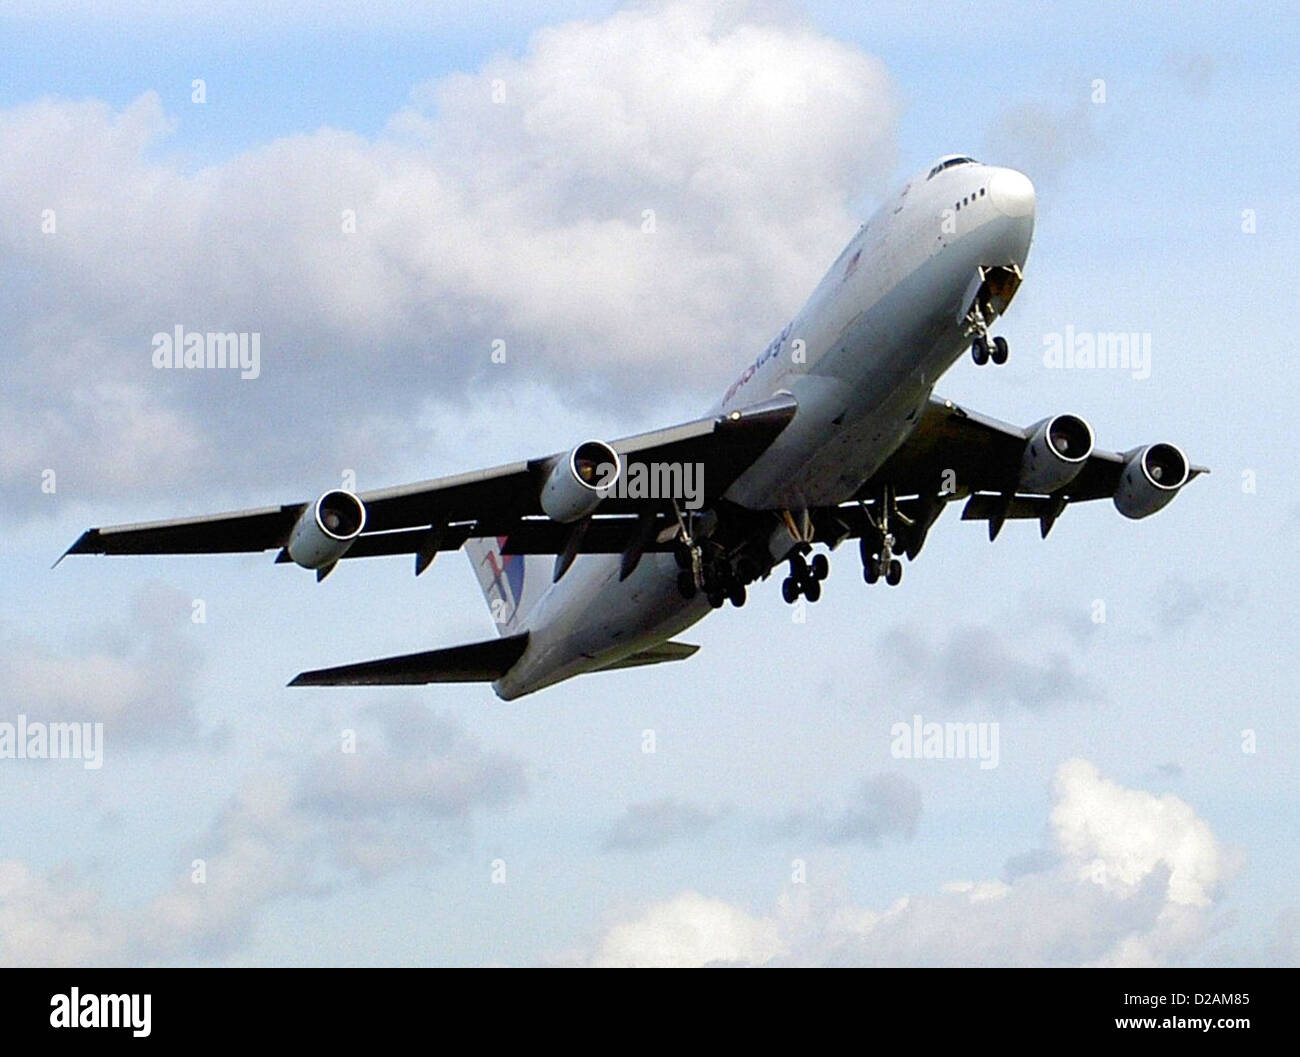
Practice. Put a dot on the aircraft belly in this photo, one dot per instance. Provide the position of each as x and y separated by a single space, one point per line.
864 394
596 620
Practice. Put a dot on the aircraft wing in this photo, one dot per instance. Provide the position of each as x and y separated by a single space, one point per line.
956 454
440 514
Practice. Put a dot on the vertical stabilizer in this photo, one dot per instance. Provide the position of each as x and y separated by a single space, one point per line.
512 583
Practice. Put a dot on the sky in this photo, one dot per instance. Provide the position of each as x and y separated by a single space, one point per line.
383 200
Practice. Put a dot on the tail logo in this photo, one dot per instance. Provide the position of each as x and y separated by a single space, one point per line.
507 575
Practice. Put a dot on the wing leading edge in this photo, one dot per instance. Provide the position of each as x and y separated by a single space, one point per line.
440 514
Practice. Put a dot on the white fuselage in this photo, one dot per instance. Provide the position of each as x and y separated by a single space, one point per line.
861 359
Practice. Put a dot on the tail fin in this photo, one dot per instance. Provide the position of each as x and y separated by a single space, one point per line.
511 583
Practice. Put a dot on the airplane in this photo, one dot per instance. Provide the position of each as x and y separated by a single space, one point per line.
831 434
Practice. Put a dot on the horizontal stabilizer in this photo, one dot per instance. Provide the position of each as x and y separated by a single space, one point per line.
475 662
665 651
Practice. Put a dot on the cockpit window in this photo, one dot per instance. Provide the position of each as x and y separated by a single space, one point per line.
948 163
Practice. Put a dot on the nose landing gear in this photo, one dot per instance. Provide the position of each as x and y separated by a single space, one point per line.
983 349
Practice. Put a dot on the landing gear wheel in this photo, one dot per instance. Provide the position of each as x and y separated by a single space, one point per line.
686 584
979 350
1000 350
738 594
790 590
717 599
871 571
821 567
812 590
894 574
798 567
683 556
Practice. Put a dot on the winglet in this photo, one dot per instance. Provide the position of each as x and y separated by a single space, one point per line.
82 545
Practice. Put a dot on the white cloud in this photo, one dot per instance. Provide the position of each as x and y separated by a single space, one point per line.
1134 885
520 220
1117 837
690 930
280 836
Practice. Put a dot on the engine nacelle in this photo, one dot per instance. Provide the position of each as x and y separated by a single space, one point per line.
1055 453
326 529
1151 477
580 481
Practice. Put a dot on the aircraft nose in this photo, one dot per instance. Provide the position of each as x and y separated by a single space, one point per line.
1012 193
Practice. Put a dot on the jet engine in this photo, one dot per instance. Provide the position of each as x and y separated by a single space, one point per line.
1055 453
326 529
579 481
1151 477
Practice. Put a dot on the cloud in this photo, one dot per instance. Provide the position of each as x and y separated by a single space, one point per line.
1045 139
1179 601
974 666
884 806
689 930
513 203
137 679
1284 951
656 823
411 789
52 918
1132 879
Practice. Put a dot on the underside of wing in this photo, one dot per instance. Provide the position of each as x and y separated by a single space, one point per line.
1004 472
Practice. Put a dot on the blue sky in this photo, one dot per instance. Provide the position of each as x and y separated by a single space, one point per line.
772 745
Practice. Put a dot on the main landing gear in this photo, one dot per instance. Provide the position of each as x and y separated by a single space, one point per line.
711 574
877 549
805 578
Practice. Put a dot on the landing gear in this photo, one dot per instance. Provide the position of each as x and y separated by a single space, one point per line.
878 554
705 568
878 566
805 579
894 573
983 348
981 351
